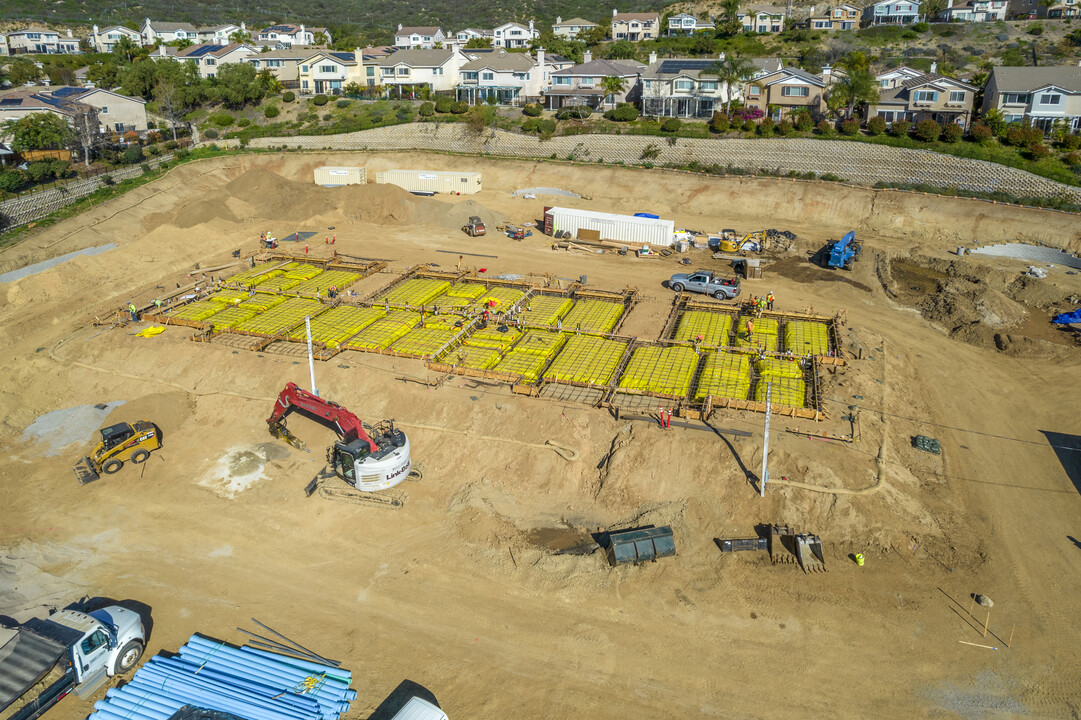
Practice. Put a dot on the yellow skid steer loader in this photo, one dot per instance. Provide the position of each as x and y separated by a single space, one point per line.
119 443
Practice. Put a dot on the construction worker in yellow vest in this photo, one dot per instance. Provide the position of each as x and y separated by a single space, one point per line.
769 300
134 314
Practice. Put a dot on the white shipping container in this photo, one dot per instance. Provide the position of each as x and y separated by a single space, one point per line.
621 228
337 176
464 183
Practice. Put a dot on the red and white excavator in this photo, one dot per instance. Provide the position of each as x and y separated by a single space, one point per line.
368 458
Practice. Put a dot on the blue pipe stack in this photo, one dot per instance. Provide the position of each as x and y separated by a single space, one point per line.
248 683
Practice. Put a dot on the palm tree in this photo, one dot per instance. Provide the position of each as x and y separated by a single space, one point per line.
126 48
731 71
857 86
730 13
612 86
240 36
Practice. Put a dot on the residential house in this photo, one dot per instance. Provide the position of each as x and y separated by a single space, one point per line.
409 72
5 49
286 35
510 78
581 84
156 33
284 64
41 41
838 17
1059 9
419 38
103 41
1022 9
891 12
463 36
926 96
762 20
329 72
690 87
220 34
635 27
972 11
687 24
1040 95
571 28
208 58
514 35
785 91
116 113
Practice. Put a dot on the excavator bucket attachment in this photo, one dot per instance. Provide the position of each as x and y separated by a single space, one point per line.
85 472
278 430
782 544
809 553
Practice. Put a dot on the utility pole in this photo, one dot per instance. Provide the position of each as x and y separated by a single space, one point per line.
311 360
765 443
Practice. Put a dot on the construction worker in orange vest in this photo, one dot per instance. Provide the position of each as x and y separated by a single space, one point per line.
769 300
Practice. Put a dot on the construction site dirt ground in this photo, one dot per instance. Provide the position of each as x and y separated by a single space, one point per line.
464 590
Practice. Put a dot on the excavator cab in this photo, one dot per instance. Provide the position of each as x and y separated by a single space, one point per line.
356 463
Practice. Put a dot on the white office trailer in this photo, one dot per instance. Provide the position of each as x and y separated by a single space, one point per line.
338 176
432 181
621 228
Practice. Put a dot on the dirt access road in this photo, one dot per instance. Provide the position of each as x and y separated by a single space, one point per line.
463 591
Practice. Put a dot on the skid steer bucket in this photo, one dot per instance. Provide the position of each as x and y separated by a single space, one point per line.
809 553
85 472
782 544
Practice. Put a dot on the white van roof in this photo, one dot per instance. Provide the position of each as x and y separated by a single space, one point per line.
418 709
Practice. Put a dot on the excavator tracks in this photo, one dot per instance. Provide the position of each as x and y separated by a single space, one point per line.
331 487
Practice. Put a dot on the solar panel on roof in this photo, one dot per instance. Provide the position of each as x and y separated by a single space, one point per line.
11 101
203 50
280 28
68 91
676 66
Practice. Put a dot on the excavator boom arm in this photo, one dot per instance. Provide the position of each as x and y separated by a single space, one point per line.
293 397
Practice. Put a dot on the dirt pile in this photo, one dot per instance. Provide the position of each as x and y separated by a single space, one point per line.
379 204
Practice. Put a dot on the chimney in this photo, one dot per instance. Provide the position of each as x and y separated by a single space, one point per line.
243 27
399 26
587 57
614 11
721 57
302 28
653 57
949 4
358 56
69 32
934 67
95 29
530 27
559 20
827 73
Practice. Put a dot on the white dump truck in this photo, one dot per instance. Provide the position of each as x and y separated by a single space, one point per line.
42 661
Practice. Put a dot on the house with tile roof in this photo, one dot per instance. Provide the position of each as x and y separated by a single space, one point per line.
581 84
156 32
411 73
838 17
763 20
684 24
690 87
419 38
923 96
635 27
330 72
786 91
285 35
115 112
283 64
1042 96
509 78
41 40
571 28
972 11
103 41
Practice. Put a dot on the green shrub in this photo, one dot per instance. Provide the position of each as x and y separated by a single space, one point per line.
145 168
181 154
765 128
719 123
1035 29
804 122
243 122
548 127
1038 151
575 112
531 125
444 104
851 126
320 100
460 108
210 133
900 128
624 112
288 96
532 110
171 144
271 111
134 154
153 149
1073 159
981 133
343 103
12 180
750 125
876 125
427 109
671 125
921 27
221 119
1071 142
825 128
327 117
952 133
928 130
1021 136
404 114
785 128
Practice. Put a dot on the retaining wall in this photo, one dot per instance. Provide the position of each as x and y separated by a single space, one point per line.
860 163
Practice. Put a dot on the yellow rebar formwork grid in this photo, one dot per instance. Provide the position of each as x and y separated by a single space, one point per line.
586 359
726 375
382 333
338 324
594 317
709 328
423 342
413 293
660 370
281 317
806 338
545 311
764 337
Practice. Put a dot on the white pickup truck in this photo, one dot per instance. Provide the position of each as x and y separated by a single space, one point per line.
43 660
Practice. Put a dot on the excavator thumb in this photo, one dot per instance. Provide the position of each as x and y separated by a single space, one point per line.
278 430
85 472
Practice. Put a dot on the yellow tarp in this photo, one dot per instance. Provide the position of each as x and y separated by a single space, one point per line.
806 338
337 324
152 331
381 334
279 318
587 359
714 328
724 375
231 317
197 311
593 316
765 334
668 371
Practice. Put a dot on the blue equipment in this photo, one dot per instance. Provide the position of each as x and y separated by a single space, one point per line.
844 252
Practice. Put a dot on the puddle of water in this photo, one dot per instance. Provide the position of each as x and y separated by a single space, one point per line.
564 540
60 428
915 279
44 265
